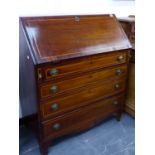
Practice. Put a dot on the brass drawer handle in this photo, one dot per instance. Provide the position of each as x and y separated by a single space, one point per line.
54 72
121 59
115 102
55 106
117 86
56 127
54 89
119 72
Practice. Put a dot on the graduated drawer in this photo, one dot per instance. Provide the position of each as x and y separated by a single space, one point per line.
82 118
59 105
58 70
51 89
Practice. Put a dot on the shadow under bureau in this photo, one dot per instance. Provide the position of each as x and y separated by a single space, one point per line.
74 70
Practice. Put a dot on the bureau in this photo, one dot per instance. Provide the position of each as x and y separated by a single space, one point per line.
73 69
128 25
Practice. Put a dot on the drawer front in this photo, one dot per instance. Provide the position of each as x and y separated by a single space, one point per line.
53 88
82 118
82 64
62 104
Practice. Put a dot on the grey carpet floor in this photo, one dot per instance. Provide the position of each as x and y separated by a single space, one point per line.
108 138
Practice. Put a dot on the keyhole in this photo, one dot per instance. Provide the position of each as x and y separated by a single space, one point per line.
77 19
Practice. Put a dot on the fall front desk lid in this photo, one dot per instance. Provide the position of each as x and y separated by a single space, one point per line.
57 38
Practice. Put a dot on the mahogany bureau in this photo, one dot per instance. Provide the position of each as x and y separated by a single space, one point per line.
74 69
128 24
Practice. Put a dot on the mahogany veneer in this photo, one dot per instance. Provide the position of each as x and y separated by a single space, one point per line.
74 68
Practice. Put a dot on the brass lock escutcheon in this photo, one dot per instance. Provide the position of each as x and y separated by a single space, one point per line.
54 106
39 74
77 18
54 89
56 127
54 72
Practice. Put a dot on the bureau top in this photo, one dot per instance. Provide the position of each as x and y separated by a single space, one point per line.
57 38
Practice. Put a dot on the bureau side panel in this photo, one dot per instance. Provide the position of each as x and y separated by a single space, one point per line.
27 82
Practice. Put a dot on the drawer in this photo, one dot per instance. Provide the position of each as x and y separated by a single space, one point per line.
82 118
51 89
59 105
81 65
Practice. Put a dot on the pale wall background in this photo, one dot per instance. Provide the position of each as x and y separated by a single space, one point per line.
59 7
